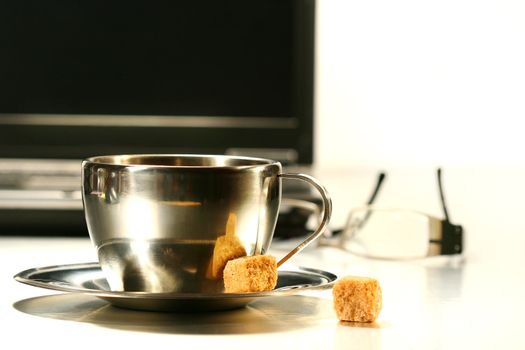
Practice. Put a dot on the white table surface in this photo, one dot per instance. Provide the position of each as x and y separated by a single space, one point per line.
473 302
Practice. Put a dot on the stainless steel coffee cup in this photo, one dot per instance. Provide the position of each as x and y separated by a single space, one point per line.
169 223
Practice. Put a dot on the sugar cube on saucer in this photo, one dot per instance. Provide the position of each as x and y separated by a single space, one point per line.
249 274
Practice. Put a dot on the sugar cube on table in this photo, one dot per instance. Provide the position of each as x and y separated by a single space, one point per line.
357 299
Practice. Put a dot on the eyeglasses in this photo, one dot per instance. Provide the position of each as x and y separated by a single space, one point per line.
397 233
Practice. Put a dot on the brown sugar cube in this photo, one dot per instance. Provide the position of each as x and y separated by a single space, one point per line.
357 299
249 274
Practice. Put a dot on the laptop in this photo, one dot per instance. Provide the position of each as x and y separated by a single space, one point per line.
83 79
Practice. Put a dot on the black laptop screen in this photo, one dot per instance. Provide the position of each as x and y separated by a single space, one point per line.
155 58
66 61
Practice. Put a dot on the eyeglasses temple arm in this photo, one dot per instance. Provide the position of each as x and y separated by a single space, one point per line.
345 231
380 180
451 235
442 195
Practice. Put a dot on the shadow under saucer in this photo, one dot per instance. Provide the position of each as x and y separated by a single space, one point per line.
272 314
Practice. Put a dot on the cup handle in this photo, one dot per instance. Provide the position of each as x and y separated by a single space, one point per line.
327 213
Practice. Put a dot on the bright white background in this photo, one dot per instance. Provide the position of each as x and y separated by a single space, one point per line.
420 82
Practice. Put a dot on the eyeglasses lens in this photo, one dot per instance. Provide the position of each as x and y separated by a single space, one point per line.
388 234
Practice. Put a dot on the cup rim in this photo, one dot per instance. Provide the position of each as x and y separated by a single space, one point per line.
120 160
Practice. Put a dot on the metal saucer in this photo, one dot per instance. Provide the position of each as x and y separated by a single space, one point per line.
88 279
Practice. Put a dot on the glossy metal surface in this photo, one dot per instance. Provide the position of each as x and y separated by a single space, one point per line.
325 218
89 279
168 223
